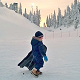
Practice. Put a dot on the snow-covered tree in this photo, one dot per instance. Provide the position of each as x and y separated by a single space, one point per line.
59 18
65 13
72 12
78 6
76 21
1 4
6 5
75 3
20 9
57 22
68 17
68 10
34 18
64 21
29 17
38 16
25 14
47 21
11 6
51 20
54 19
15 7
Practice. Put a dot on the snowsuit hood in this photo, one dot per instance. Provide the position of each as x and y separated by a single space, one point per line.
35 40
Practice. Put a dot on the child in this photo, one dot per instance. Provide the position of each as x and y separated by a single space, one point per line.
38 52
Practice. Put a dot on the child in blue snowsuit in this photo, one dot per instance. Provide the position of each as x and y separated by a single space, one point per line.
38 52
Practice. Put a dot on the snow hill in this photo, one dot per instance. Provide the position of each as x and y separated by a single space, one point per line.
15 35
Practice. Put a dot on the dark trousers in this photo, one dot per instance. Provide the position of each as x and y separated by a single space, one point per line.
38 63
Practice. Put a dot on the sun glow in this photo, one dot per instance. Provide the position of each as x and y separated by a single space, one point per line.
32 4
43 23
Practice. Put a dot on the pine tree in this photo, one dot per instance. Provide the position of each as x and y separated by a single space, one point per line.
38 16
57 22
34 18
78 6
47 21
65 13
11 6
68 10
51 20
1 4
6 5
29 17
64 22
72 10
54 19
20 9
76 16
68 16
25 14
76 21
39 19
75 3
59 18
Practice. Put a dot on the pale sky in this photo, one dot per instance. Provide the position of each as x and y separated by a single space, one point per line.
46 6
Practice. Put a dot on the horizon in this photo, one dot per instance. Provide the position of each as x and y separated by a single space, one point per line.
45 10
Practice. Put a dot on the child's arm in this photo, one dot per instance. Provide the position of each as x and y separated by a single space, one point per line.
41 49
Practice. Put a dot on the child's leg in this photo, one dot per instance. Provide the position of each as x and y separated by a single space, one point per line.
38 65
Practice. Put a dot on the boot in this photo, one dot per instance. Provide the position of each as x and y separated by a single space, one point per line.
39 72
34 71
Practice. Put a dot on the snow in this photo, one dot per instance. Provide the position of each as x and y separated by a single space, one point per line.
15 35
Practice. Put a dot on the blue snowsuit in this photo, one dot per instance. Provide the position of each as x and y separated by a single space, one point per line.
38 53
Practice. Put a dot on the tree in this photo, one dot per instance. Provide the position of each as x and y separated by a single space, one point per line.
69 21
75 3
25 14
20 9
6 5
76 21
72 12
57 22
34 18
38 16
11 6
29 17
64 21
51 22
1 4
54 19
47 21
78 6
68 10
59 18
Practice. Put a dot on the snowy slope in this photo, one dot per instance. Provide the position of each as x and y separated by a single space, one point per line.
15 23
15 35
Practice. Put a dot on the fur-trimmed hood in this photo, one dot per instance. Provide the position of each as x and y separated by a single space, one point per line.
35 40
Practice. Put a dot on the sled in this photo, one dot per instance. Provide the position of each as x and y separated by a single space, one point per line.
28 60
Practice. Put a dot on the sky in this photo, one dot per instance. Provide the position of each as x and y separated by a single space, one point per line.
46 6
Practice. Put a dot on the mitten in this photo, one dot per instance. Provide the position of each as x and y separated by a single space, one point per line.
45 58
